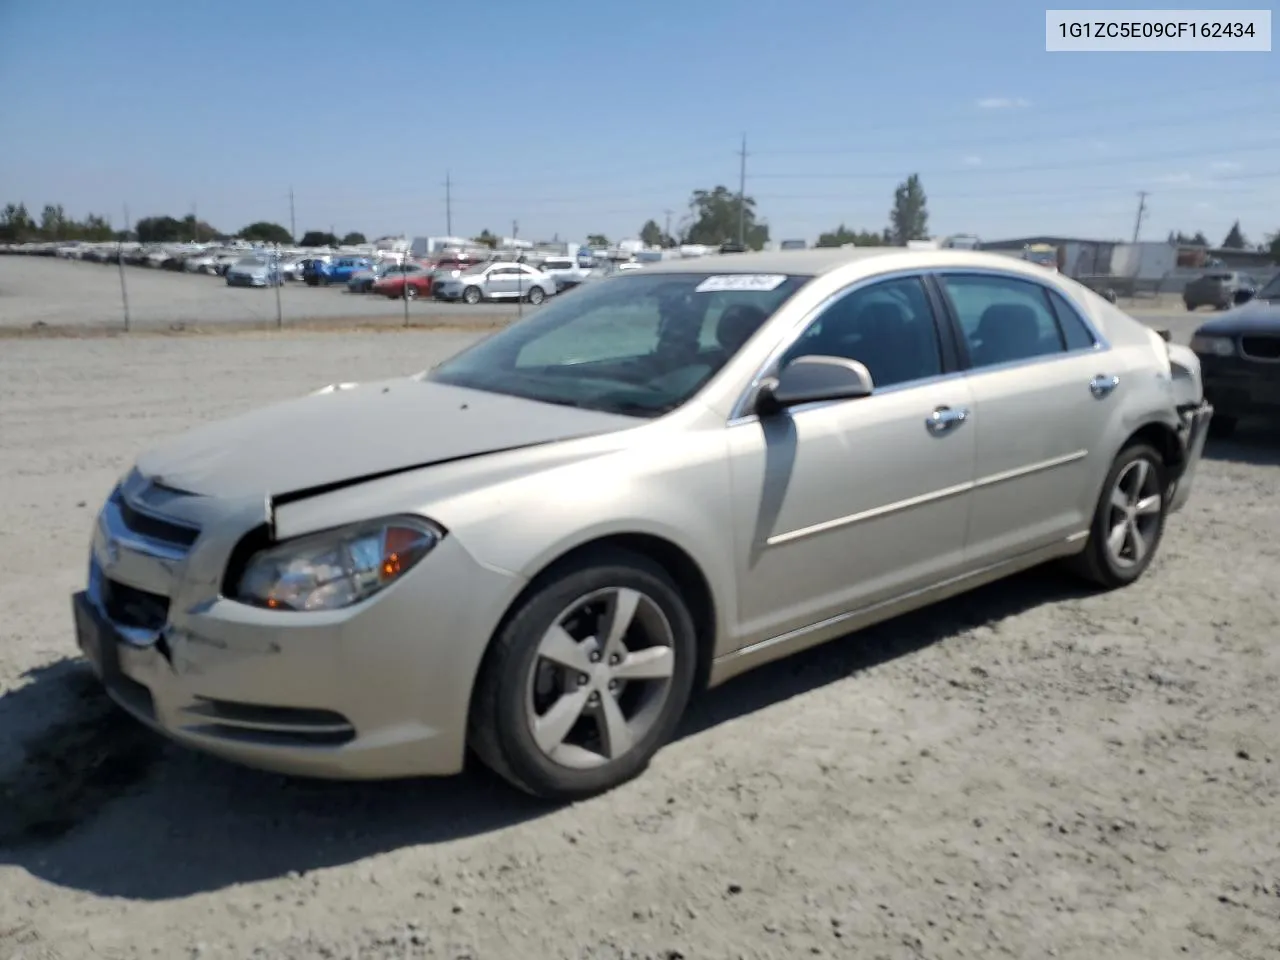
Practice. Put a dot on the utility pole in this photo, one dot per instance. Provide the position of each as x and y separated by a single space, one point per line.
124 289
448 204
293 225
742 193
195 223
666 231
1142 209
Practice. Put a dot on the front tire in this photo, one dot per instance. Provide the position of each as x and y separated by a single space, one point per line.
1128 522
411 293
586 679
471 296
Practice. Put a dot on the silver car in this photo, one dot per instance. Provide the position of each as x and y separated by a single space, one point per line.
495 280
542 548
253 272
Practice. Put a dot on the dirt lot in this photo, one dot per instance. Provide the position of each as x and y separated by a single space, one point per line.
86 296
1027 771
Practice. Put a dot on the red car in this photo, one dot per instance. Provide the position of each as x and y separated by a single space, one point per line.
413 281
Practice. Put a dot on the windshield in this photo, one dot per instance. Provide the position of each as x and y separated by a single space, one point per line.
250 262
639 345
1272 290
1045 258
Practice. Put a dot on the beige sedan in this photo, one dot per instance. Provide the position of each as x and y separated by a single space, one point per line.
541 549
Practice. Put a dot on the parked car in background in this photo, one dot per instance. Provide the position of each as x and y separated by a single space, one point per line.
321 273
566 271
1240 358
362 280
291 268
496 280
254 272
411 281
557 538
1221 289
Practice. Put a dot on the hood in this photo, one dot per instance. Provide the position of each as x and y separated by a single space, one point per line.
360 431
1256 316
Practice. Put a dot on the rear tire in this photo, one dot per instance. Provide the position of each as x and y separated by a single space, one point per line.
1128 522
410 293
524 669
536 296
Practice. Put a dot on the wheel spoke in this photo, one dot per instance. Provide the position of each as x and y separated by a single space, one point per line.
560 648
1149 506
615 734
652 663
1137 541
1119 499
1119 533
1140 468
550 729
622 609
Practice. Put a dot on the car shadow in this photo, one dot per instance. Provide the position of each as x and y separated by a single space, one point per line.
104 806
1255 443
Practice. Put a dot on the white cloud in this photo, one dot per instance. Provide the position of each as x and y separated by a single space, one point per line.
1224 166
973 161
1002 103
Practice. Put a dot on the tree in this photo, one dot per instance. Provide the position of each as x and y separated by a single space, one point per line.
1180 239
486 239
264 231
354 239
715 217
1273 244
842 235
909 218
1235 239
160 230
597 240
16 224
651 234
318 238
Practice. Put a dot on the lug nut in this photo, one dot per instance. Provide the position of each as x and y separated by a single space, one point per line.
595 658
583 679
613 684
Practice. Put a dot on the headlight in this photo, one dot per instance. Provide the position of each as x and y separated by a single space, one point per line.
338 568
1221 346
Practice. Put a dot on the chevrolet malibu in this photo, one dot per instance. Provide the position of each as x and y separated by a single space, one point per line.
538 551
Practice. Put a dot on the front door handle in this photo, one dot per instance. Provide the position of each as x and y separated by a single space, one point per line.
945 419
1102 385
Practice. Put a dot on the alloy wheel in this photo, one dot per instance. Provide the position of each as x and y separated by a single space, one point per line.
601 676
1133 521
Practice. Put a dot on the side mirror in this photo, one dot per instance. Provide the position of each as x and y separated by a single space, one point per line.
1244 296
813 378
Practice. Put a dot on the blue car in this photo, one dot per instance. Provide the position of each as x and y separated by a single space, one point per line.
321 274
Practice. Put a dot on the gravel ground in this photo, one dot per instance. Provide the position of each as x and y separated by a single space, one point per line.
1025 771
62 293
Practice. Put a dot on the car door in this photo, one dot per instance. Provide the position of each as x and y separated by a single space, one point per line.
842 505
500 282
1044 386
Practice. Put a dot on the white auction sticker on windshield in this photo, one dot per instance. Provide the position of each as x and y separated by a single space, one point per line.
762 282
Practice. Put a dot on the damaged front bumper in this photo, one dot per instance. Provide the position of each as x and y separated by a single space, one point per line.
1192 429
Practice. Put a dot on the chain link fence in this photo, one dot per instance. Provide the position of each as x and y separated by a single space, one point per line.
110 294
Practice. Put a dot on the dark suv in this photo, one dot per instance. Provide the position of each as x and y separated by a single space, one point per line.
1222 289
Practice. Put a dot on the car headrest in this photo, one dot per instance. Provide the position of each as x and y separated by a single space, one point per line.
1008 327
736 325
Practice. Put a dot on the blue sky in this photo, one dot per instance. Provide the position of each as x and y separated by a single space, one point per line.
594 118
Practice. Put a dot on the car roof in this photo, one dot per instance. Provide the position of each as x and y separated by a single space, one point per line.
820 261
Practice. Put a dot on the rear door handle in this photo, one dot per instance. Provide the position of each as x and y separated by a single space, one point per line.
1102 385
945 419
